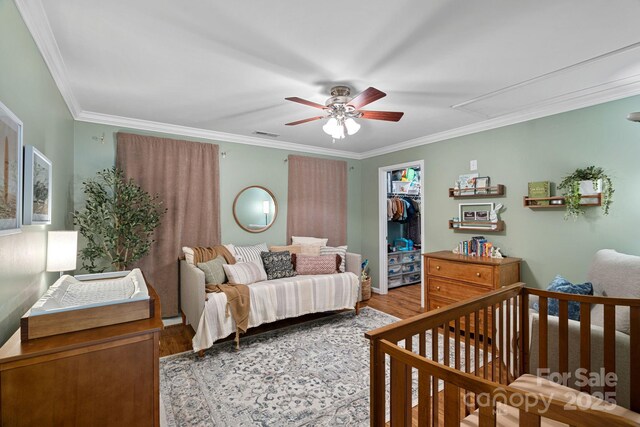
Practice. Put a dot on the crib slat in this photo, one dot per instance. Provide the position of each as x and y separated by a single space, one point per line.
517 337
476 342
457 345
494 343
500 341
434 381
610 344
485 342
451 405
377 378
400 402
585 342
634 352
563 336
508 339
467 344
447 358
543 335
528 419
524 332
487 416
424 395
422 344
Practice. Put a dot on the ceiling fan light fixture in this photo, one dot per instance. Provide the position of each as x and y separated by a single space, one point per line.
330 127
352 126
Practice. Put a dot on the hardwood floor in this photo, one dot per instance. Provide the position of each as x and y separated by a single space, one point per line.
401 302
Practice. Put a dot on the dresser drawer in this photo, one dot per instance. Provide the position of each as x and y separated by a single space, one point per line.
469 272
457 291
436 303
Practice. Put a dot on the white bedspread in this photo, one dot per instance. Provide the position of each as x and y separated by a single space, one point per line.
278 299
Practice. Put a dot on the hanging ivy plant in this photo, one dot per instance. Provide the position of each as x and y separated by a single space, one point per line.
571 186
118 221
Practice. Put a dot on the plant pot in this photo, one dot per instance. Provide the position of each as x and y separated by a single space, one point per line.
587 188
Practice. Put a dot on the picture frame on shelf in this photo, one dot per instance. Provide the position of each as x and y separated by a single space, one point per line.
482 184
466 211
467 184
11 177
37 198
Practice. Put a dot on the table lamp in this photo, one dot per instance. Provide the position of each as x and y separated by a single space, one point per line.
62 247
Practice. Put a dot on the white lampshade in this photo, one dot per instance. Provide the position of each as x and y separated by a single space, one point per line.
62 248
330 126
266 207
352 126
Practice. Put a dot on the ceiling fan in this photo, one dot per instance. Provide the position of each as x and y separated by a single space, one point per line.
341 110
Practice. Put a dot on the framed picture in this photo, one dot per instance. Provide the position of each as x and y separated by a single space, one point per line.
482 185
37 187
467 184
11 177
474 212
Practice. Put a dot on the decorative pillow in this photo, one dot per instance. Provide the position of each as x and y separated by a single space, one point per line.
277 264
340 250
338 260
292 249
560 284
310 241
213 270
244 273
322 264
250 253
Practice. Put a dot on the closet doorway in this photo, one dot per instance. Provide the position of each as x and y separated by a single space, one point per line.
401 218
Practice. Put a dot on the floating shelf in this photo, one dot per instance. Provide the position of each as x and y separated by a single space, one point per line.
531 202
476 226
494 191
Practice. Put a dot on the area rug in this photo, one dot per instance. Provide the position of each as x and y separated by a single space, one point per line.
311 374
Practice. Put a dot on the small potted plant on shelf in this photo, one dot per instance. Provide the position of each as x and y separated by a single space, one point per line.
584 182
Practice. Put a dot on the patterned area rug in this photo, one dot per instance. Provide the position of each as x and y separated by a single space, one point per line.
311 374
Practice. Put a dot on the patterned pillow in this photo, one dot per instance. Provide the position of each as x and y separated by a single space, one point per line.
244 273
321 264
277 264
213 271
340 250
560 284
250 253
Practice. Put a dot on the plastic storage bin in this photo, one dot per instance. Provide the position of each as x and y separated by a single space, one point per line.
394 258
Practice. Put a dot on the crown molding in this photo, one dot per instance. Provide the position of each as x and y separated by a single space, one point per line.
35 19
130 123
573 101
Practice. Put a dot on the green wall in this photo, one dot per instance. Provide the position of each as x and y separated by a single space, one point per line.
27 89
244 165
537 150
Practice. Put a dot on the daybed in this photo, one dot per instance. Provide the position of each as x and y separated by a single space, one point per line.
503 392
271 300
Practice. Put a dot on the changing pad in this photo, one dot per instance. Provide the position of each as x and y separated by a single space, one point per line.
69 293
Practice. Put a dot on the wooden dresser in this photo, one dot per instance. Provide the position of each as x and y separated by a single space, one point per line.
451 278
107 376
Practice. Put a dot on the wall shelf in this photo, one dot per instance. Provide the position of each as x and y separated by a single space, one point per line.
486 192
476 226
531 202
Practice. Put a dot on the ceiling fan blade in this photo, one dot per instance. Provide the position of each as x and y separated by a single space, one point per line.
366 97
310 119
305 102
390 116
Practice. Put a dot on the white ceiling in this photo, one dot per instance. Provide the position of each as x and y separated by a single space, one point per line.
222 69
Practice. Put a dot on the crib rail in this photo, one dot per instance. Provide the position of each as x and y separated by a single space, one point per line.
464 324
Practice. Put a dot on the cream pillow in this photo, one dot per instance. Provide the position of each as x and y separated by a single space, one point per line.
293 249
312 241
250 253
244 273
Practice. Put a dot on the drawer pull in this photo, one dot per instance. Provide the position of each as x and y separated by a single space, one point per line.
437 267
478 274
437 288
437 306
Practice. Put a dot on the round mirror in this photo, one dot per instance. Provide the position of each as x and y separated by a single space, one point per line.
255 209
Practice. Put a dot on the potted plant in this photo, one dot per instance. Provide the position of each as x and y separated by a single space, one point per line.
582 182
118 221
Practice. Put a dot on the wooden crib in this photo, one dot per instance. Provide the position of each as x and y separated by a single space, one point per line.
497 326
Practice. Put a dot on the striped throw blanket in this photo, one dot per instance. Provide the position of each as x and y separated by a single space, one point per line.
278 299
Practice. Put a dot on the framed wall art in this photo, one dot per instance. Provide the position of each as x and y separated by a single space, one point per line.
11 176
37 187
475 215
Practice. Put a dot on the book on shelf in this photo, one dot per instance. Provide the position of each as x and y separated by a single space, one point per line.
539 189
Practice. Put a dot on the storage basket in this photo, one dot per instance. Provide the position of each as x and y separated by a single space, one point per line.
366 289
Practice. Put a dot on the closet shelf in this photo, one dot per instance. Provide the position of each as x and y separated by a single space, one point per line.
486 226
485 192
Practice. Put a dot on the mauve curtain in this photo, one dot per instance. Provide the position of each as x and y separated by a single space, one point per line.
317 202
185 175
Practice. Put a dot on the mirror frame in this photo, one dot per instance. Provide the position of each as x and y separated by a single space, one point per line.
275 209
